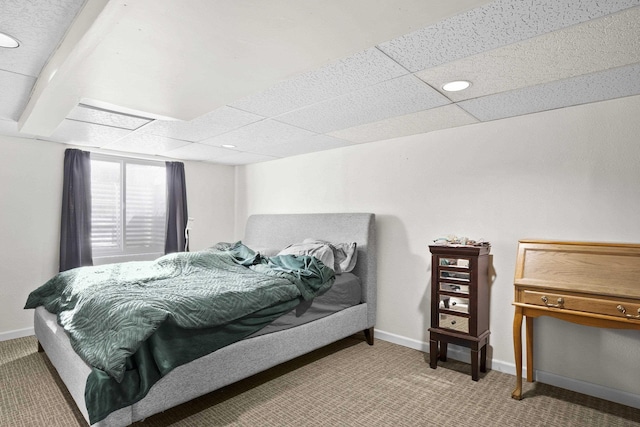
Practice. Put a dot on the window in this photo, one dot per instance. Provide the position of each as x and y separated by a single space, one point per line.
128 209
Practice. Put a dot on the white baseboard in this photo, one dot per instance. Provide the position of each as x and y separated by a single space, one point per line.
10 335
464 355
590 389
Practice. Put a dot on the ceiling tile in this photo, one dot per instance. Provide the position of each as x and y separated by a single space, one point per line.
496 24
448 116
196 151
211 124
86 134
146 144
39 25
615 83
358 71
15 90
244 159
89 114
402 95
261 134
593 46
308 145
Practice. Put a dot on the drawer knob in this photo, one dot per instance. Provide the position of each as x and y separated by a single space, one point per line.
623 310
560 303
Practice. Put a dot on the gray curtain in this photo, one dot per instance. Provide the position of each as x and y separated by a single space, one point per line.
75 229
177 216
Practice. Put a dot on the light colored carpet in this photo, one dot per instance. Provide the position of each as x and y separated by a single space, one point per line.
345 384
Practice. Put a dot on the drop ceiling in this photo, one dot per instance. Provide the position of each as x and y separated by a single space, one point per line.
239 82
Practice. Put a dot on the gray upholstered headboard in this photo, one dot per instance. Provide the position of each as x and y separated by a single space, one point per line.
280 230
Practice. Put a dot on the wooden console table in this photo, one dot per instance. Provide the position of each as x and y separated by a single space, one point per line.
592 284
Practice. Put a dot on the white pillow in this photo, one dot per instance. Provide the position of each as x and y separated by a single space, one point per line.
344 254
322 251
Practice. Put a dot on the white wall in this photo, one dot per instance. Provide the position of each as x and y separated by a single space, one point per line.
210 198
31 192
31 197
570 174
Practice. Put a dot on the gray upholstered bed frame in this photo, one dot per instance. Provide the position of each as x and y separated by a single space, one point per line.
244 358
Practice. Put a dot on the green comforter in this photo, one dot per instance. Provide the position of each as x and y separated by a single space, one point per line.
121 317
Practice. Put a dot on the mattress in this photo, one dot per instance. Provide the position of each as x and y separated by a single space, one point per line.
345 292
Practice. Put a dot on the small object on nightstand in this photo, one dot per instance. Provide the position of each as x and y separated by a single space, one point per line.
460 302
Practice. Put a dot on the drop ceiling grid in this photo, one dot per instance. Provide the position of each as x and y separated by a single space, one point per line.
388 91
304 146
593 46
448 116
87 134
491 26
403 95
145 143
244 159
102 117
363 69
196 151
260 134
39 25
217 122
609 84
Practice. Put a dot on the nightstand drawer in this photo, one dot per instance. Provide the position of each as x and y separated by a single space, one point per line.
455 262
609 307
454 304
454 287
456 323
455 275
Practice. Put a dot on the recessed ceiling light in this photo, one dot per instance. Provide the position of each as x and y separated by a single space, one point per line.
228 146
7 41
456 86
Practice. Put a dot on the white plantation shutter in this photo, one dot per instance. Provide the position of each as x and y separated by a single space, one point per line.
106 207
128 209
145 207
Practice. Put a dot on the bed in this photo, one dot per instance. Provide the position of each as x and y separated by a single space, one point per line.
303 329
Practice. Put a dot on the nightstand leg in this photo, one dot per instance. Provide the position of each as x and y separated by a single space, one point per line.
474 365
433 353
483 358
443 350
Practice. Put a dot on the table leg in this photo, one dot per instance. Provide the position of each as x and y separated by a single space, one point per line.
529 340
517 347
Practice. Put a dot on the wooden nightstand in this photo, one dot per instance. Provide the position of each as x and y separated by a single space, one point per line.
460 303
